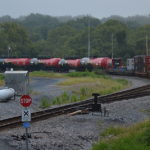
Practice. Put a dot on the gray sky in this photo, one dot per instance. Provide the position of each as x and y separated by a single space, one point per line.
96 8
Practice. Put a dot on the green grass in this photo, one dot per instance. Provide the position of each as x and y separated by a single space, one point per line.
87 74
85 86
136 137
1 79
65 98
44 102
46 74
82 85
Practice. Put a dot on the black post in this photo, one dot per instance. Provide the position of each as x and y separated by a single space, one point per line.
96 107
27 139
95 97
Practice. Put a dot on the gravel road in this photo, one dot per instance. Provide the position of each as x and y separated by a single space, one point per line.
81 131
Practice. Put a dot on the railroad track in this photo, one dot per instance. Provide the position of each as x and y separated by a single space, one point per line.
52 112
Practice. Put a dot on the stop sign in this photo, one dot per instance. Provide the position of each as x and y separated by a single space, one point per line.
25 100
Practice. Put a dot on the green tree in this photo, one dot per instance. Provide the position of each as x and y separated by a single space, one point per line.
16 39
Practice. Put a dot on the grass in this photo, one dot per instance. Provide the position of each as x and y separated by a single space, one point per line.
46 74
44 103
1 79
136 137
64 98
82 85
85 86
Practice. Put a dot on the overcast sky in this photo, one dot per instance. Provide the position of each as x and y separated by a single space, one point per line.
96 8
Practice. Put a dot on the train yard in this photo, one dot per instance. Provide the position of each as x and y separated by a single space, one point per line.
56 131
86 104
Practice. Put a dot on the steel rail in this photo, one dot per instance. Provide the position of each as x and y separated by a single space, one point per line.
44 114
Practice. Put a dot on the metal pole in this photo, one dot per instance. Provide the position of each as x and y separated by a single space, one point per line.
146 45
89 42
27 139
112 36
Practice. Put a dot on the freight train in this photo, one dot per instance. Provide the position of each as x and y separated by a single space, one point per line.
138 65
56 64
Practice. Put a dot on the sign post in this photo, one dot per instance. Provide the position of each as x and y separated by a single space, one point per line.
26 101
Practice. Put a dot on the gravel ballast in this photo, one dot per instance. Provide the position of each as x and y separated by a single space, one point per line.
78 132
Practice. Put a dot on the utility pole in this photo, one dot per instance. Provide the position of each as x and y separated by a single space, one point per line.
112 44
147 53
89 37
9 49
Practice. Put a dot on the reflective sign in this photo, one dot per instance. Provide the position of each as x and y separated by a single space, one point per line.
26 115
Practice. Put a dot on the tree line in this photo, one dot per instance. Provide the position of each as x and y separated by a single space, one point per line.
44 36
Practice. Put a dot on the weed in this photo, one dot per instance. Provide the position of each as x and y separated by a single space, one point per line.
73 98
136 137
2 79
44 103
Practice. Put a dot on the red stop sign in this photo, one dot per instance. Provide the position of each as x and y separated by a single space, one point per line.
25 100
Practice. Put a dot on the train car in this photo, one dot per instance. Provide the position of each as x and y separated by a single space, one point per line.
117 67
139 65
2 66
85 64
17 63
74 64
101 63
35 66
54 64
130 65
147 65
117 63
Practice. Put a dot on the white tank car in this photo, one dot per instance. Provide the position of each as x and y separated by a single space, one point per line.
6 94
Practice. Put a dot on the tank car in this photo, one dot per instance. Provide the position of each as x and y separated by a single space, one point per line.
102 62
17 63
85 62
55 64
34 64
74 63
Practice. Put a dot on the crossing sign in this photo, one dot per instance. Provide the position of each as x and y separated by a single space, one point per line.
26 115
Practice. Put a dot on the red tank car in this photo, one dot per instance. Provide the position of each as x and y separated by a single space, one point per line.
106 63
103 62
18 61
74 63
52 62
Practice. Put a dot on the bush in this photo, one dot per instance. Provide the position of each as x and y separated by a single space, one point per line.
2 77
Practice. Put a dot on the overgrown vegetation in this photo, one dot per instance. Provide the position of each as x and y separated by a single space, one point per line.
136 137
44 103
1 79
81 85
